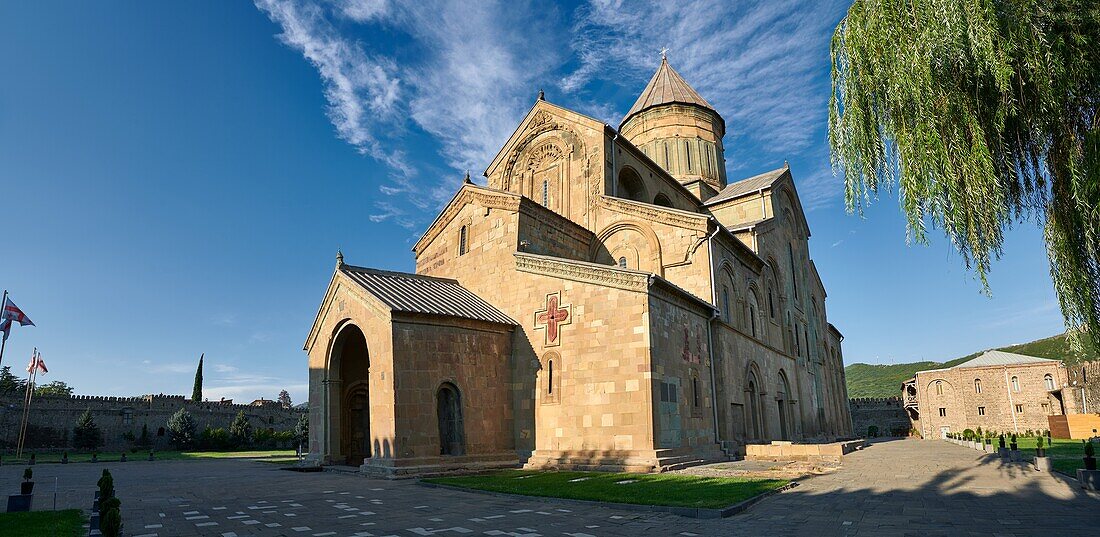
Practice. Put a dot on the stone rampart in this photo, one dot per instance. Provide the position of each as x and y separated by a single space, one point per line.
51 420
886 413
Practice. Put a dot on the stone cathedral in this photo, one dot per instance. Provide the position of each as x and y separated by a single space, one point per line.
609 301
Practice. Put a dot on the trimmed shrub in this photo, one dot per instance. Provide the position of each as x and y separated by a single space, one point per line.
181 429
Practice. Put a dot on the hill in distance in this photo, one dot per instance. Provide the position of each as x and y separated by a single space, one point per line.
872 380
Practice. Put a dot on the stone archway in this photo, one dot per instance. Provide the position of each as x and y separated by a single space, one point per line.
452 437
783 403
349 392
752 399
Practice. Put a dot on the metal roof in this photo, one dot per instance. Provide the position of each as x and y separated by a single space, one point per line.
413 293
995 358
666 87
747 186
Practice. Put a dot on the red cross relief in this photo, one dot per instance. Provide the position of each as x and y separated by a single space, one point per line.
552 318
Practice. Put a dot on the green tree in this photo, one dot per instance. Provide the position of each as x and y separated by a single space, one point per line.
10 383
181 429
241 430
196 391
982 113
284 399
86 434
57 388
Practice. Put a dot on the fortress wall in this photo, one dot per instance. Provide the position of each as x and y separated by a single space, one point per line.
52 419
886 413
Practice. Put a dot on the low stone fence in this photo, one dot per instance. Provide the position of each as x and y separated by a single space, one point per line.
780 450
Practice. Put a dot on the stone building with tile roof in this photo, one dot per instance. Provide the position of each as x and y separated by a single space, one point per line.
998 391
607 301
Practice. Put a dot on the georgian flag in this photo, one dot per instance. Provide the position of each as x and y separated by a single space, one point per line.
37 363
5 327
11 312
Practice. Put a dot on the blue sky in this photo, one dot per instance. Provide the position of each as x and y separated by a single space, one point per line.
176 178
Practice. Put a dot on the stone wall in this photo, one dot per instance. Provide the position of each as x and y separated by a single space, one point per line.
886 413
1084 386
52 419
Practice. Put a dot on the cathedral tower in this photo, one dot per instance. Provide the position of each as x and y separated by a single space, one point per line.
678 129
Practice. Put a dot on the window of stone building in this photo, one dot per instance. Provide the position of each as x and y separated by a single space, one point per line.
662 200
1045 407
687 154
752 320
546 193
981 411
977 385
668 161
1049 380
771 302
943 412
726 303
939 388
794 279
1015 384
1019 409
622 262
550 377
127 416
708 159
668 392
551 393
462 240
695 391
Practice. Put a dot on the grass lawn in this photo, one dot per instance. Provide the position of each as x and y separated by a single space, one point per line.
55 457
67 523
646 489
1065 455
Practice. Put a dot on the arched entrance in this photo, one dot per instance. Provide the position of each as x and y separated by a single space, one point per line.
784 407
452 439
752 399
349 367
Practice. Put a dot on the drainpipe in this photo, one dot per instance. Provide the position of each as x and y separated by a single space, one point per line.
1011 403
710 332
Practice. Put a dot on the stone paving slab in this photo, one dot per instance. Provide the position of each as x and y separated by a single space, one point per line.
897 488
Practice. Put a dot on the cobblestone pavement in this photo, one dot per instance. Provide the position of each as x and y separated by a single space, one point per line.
891 488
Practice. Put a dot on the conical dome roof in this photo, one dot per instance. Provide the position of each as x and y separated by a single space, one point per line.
666 87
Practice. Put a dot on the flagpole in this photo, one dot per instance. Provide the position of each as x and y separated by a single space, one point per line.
27 402
4 338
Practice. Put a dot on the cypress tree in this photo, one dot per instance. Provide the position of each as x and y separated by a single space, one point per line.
196 392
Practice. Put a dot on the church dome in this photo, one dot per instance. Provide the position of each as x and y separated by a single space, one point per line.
679 130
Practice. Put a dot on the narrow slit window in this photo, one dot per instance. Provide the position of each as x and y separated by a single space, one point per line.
687 154
550 377
546 193
462 241
622 262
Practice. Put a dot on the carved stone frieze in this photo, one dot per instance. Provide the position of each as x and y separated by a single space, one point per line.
582 272
654 213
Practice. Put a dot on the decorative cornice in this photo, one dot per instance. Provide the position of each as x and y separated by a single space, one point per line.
655 213
579 271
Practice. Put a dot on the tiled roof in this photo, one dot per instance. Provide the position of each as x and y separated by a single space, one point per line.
666 86
994 358
413 293
747 186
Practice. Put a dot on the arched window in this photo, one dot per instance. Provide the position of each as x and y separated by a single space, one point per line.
631 186
622 262
771 302
752 320
1049 380
695 390
452 436
977 385
462 241
794 279
662 200
939 388
726 303
1015 384
708 159
687 154
546 193
550 377
668 161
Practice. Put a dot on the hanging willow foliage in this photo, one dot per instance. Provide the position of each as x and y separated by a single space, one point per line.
982 113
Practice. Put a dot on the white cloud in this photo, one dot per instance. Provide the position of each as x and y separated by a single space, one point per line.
759 64
363 10
820 189
222 368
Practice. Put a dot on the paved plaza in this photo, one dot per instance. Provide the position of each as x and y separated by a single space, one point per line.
893 488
